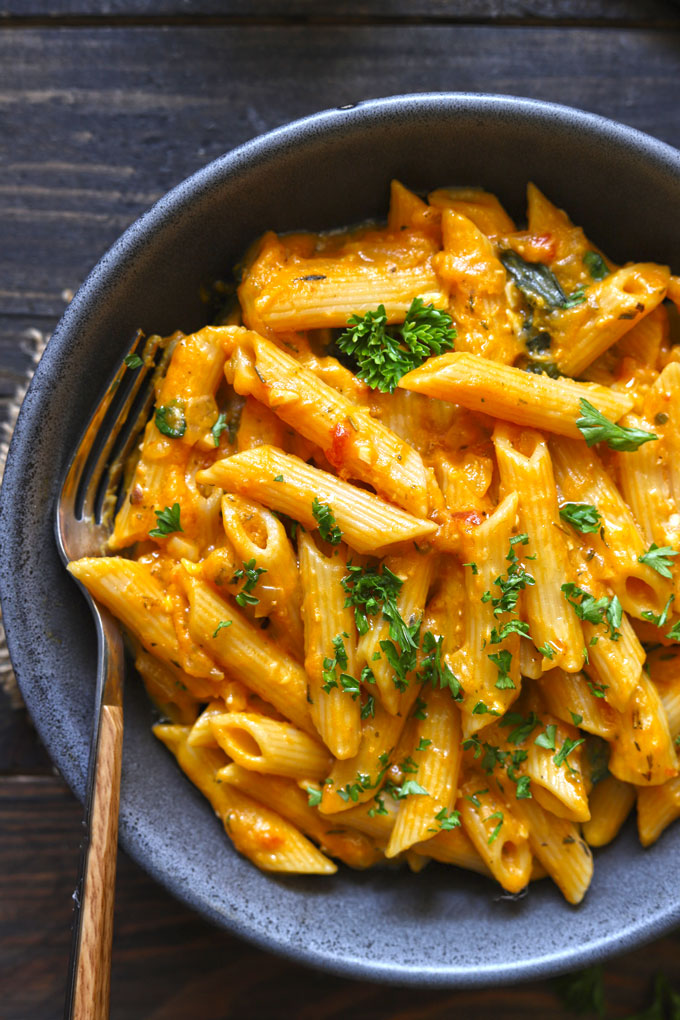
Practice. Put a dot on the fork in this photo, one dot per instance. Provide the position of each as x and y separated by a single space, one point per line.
83 524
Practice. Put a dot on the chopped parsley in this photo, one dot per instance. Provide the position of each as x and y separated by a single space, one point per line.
133 361
658 620
419 709
523 727
546 650
582 516
383 354
220 626
369 589
659 559
547 738
411 789
481 709
423 744
596 428
368 708
674 632
494 835
472 566
324 517
339 660
218 428
510 585
448 819
608 612
511 627
313 796
597 690
251 575
437 672
167 521
278 478
568 746
503 662
522 792
576 718
170 419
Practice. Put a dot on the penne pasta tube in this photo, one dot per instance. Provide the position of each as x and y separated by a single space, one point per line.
436 755
367 523
489 677
614 549
323 292
642 750
258 537
330 648
414 569
512 394
354 443
267 745
166 690
526 468
261 835
612 307
499 837
453 847
657 807
560 849
557 780
246 653
293 803
610 804
571 696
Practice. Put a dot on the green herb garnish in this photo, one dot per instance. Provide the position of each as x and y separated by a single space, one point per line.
167 521
596 428
170 419
383 354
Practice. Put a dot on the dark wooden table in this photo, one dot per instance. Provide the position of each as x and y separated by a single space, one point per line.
104 105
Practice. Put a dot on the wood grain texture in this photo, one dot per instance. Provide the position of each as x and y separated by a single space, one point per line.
95 124
168 964
592 11
93 972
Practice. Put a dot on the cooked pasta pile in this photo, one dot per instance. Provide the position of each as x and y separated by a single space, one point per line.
399 554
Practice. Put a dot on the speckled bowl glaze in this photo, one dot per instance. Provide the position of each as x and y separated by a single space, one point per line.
443 926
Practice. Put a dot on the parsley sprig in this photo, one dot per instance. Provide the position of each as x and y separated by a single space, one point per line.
582 516
608 612
437 672
251 574
325 518
512 583
170 419
383 354
659 559
596 428
167 521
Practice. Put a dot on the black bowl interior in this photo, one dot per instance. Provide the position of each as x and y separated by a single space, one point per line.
442 926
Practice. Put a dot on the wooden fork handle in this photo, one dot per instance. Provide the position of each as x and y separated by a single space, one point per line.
93 967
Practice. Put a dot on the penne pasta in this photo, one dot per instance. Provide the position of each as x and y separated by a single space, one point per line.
398 550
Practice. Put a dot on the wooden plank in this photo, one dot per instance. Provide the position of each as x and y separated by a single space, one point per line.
95 124
169 964
544 11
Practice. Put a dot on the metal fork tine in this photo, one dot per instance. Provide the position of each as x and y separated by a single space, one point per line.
84 447
120 418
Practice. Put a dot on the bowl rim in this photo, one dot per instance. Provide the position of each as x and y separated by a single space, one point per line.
326 122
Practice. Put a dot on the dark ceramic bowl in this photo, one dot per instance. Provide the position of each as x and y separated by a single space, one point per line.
442 927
